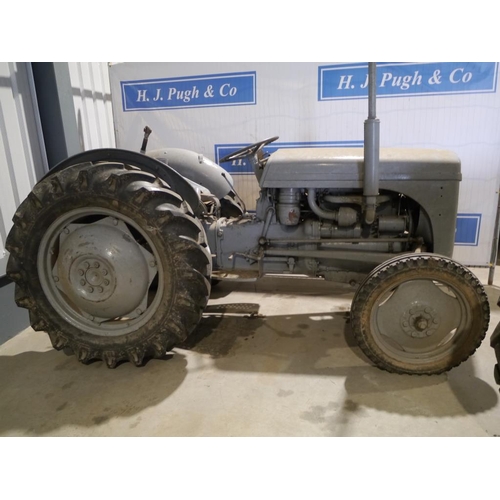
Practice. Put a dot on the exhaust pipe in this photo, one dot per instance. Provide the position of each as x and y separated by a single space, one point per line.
371 149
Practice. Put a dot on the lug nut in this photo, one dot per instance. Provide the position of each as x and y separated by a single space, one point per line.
66 230
56 278
99 289
81 272
82 282
104 272
90 289
96 264
152 263
106 282
86 265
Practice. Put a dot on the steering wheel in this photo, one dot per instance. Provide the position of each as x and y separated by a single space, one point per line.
248 150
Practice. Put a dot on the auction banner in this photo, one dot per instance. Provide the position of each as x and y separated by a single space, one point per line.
216 108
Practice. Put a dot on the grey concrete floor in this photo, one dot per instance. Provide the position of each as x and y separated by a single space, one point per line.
273 358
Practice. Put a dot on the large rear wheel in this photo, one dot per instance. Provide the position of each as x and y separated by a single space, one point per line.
110 262
420 314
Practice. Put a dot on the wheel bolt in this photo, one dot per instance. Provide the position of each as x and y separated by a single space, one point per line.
86 265
56 278
82 282
106 282
90 289
104 272
152 263
405 323
66 230
81 272
96 264
115 222
99 289
138 311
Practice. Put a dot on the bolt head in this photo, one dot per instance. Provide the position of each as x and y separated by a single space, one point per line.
152 263
82 282
104 272
138 311
96 264
100 289
81 272
66 230
106 282
421 324
86 265
90 289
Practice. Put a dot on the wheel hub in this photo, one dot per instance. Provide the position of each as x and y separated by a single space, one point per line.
93 278
419 321
103 270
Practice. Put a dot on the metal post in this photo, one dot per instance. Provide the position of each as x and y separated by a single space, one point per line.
371 148
57 111
494 245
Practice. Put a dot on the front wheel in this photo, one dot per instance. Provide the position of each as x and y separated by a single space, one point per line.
110 263
420 314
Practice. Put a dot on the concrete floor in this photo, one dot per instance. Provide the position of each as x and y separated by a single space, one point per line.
273 358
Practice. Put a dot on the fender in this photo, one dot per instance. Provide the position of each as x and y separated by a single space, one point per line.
175 180
196 167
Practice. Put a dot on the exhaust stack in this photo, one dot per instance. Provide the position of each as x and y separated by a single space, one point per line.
371 148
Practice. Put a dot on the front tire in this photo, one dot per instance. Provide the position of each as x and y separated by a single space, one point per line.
110 262
420 314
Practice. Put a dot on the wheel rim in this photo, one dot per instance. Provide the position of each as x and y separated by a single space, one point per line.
420 321
100 271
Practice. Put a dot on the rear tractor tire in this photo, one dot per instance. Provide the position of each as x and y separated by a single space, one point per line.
420 314
110 262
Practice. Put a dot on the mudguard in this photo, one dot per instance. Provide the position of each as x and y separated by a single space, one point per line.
174 179
197 168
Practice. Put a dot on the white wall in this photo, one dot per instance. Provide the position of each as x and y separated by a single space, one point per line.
22 156
92 99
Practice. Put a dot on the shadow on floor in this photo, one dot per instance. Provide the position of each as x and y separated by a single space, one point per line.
43 391
13 319
238 339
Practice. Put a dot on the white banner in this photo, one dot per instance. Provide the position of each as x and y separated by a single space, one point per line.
214 108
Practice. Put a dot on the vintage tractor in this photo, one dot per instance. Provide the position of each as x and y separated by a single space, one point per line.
114 252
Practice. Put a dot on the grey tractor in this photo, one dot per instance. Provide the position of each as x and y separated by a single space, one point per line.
114 252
